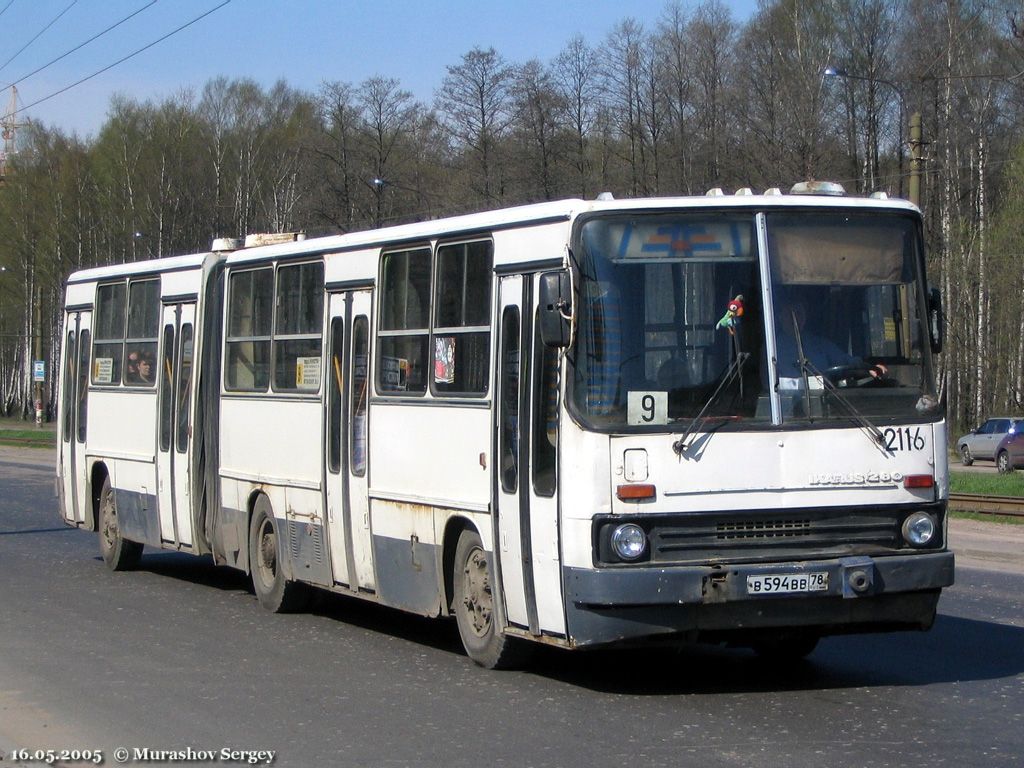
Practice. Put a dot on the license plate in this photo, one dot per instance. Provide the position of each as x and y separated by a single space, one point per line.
786 583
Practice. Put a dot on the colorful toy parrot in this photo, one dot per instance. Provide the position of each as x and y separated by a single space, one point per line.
731 319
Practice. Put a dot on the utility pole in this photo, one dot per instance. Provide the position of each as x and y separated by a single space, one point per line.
916 158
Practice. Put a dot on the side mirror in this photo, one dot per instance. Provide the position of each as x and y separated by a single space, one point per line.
936 320
555 308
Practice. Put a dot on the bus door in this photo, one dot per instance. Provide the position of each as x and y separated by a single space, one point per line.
348 511
527 440
177 346
74 413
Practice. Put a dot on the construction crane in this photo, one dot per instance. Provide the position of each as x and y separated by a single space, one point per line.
9 126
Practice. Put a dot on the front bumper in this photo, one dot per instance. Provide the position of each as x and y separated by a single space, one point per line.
864 594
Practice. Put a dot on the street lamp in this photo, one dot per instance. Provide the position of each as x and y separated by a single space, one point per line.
914 130
378 185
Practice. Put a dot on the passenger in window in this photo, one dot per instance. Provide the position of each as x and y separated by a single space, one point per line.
139 368
131 370
145 368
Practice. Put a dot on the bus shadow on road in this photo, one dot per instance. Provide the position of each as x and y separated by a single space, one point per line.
352 611
955 650
193 569
437 633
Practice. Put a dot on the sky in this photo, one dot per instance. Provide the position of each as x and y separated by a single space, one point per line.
303 42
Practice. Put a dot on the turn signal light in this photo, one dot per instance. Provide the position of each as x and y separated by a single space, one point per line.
918 481
635 492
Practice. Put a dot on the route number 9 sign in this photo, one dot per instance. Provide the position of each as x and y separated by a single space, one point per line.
645 408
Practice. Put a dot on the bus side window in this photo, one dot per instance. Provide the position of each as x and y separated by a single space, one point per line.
247 355
143 328
298 327
110 317
462 322
404 322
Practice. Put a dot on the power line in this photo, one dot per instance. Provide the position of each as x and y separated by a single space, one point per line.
79 46
38 34
122 60
9 4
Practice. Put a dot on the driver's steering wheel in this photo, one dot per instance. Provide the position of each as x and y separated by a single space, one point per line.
857 375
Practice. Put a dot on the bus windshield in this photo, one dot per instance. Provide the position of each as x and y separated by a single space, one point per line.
849 316
654 345
673 325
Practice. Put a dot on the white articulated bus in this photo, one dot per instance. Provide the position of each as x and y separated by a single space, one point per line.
580 422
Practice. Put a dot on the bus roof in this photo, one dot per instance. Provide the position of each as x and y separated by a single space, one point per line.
525 215
136 268
560 210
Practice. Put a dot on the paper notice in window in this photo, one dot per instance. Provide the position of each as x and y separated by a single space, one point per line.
307 372
103 370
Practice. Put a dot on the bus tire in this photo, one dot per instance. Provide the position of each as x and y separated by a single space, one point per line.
119 553
275 592
473 605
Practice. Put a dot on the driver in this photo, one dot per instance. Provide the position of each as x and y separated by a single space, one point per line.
821 352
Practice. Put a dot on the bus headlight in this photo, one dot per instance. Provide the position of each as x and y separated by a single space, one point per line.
919 529
629 541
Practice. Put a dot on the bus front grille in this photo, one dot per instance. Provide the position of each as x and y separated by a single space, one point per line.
733 537
751 536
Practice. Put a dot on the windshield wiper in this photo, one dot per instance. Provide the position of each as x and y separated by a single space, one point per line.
733 372
803 362
806 367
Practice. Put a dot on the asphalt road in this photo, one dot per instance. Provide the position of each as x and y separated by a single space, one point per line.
179 656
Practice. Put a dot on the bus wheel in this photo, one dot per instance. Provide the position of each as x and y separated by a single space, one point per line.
118 553
473 606
274 591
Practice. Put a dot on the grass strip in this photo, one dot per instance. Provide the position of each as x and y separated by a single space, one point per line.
988 483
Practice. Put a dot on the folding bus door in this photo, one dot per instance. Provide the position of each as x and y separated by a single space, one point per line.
74 413
175 428
527 441
346 444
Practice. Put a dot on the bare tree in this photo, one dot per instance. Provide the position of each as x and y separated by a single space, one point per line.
388 117
786 47
623 78
872 102
576 78
476 105
338 151
538 105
